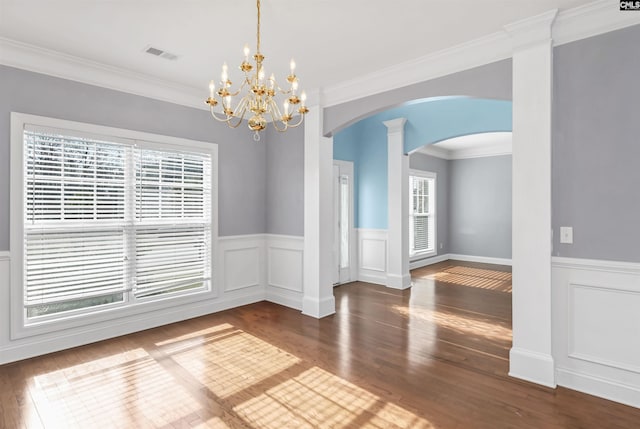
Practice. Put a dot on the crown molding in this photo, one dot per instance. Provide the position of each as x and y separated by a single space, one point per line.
46 61
482 151
592 19
532 30
434 151
598 17
475 53
585 21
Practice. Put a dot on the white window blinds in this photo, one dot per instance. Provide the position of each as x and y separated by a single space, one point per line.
421 212
110 221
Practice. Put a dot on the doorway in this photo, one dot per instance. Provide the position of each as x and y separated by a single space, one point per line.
343 230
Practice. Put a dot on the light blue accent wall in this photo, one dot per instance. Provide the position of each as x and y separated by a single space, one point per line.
428 121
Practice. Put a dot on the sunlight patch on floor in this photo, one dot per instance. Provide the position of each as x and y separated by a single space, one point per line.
104 393
233 363
319 399
456 322
499 281
220 377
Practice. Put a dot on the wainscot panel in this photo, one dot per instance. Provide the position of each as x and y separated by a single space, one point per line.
372 251
284 270
596 327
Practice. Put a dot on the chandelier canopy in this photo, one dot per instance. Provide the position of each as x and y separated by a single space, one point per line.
260 95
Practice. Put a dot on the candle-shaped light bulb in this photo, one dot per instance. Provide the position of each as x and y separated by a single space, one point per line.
261 74
294 86
303 98
292 66
246 52
227 101
272 81
224 76
286 107
212 88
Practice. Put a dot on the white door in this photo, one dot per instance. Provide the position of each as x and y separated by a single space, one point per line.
343 221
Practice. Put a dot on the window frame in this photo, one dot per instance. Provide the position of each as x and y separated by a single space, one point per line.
21 327
414 256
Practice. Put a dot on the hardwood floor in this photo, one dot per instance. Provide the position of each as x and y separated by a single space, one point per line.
433 356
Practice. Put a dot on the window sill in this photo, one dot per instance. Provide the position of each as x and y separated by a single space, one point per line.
112 313
422 255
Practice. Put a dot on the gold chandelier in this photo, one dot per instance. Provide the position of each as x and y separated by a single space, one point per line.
260 96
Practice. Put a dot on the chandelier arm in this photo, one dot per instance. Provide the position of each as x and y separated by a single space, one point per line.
241 108
223 119
282 130
297 124
240 119
274 120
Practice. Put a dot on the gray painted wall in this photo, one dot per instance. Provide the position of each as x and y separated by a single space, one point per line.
488 81
420 161
596 146
480 206
285 182
242 162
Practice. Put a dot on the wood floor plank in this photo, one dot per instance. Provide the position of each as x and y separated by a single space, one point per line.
434 356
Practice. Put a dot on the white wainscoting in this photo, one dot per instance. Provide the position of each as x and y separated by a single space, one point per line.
596 313
241 263
284 283
372 256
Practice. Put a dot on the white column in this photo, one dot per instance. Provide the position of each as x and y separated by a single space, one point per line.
531 355
398 276
318 300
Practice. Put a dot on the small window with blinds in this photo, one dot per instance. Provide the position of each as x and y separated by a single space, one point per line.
422 219
112 222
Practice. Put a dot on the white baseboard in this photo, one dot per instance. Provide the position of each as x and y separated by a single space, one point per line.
601 387
398 282
375 278
419 263
481 259
284 298
532 366
318 308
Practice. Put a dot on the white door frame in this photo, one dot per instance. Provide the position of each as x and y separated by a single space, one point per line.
346 168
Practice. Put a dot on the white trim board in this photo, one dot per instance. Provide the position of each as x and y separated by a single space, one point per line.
5 255
482 151
589 20
481 259
598 386
581 22
596 265
419 263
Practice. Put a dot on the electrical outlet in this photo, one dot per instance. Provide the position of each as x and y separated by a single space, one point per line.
441 245
566 235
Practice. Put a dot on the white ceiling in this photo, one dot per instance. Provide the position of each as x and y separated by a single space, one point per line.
471 146
331 40
476 140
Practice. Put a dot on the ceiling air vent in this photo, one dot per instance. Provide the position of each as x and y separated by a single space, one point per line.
160 53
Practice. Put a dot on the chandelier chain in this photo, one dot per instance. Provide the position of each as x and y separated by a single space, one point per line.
258 30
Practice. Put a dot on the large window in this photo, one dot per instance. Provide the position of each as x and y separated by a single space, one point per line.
109 222
422 219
